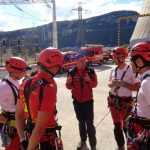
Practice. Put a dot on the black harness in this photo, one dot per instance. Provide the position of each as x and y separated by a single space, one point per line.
121 76
116 69
135 111
11 115
144 122
147 75
7 129
117 100
27 92
14 89
89 71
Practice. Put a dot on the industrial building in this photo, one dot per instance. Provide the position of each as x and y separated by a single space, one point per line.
142 28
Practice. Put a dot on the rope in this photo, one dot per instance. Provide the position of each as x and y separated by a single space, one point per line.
102 119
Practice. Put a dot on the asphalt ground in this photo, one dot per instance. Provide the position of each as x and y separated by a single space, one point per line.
67 118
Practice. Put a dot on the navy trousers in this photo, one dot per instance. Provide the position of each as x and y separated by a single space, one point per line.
85 116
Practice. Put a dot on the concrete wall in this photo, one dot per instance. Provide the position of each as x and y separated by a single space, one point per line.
142 28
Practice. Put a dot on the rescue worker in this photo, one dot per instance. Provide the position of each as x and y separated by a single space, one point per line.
9 86
122 82
37 105
139 124
80 81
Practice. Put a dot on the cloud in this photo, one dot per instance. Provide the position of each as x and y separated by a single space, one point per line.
94 8
38 14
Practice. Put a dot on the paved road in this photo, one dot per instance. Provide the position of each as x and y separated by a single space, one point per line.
66 115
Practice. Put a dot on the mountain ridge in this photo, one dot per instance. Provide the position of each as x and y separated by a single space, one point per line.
101 29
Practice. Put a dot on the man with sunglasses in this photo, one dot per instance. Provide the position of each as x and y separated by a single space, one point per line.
81 80
122 82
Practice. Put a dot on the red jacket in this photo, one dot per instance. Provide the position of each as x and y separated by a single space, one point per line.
81 89
48 101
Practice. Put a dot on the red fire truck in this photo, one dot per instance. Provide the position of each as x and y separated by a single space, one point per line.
69 61
93 53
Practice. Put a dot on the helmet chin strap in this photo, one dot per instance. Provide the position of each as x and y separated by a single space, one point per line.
138 68
119 62
15 77
45 69
52 74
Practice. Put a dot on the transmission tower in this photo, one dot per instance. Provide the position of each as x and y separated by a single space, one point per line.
80 31
14 2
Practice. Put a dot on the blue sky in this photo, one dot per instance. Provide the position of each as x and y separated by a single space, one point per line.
15 17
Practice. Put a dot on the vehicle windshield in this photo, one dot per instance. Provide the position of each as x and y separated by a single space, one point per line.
69 57
66 58
86 53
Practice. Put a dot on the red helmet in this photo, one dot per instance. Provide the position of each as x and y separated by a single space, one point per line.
50 57
120 51
16 65
141 49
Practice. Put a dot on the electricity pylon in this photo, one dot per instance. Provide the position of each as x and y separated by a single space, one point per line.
80 32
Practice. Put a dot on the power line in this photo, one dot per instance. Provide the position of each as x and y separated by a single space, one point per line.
34 17
10 14
12 2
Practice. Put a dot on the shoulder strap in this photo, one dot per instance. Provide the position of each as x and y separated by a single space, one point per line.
14 89
147 75
28 90
27 95
72 72
116 72
90 72
117 88
135 111
123 73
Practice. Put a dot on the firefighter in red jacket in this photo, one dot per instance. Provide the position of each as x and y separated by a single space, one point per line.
80 81
9 86
122 82
139 123
37 105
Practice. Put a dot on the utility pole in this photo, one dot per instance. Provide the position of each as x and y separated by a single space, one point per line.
13 2
55 41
